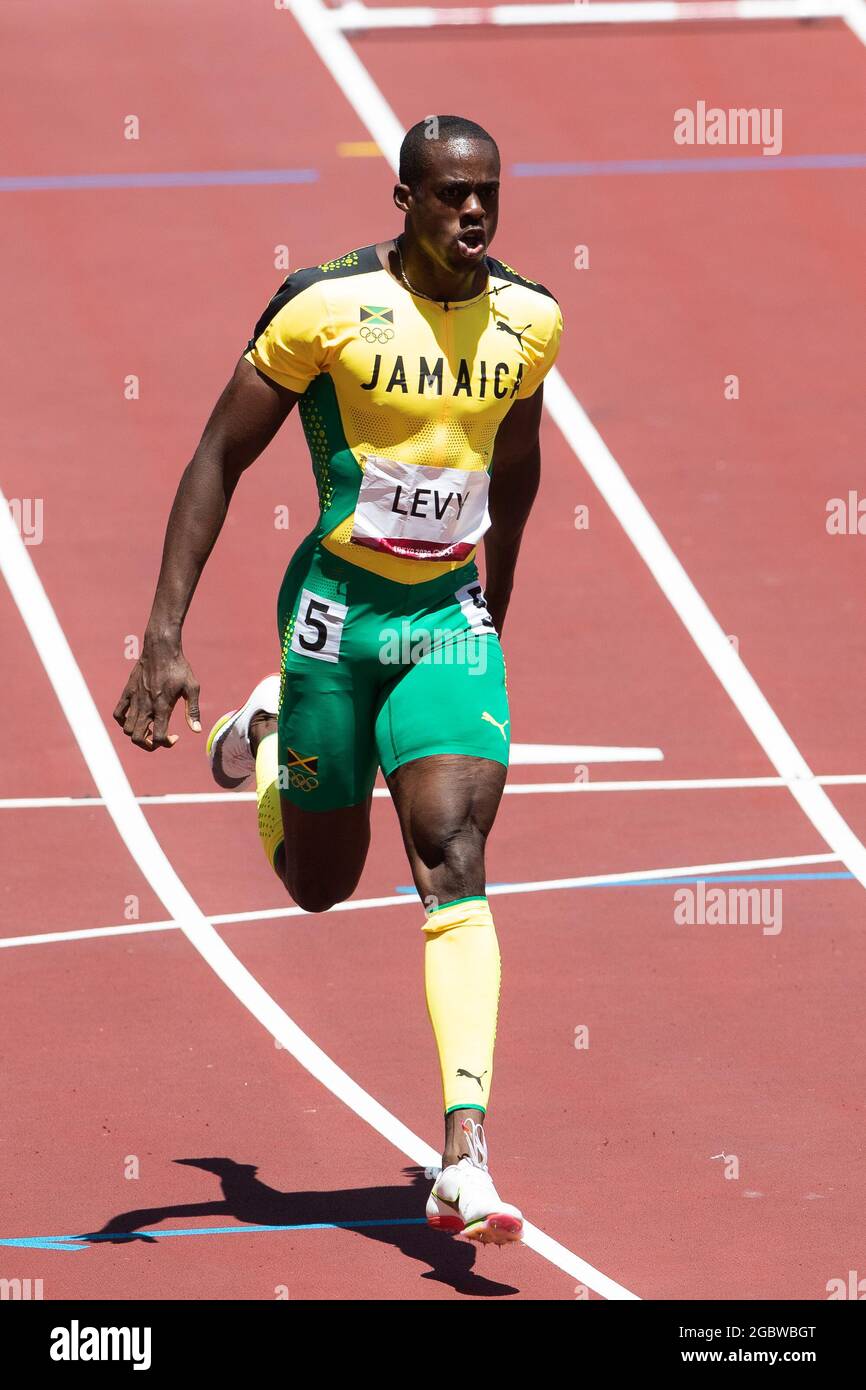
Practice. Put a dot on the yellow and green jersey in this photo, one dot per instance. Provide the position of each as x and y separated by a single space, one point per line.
401 399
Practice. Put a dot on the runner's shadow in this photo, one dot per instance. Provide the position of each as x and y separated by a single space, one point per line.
248 1200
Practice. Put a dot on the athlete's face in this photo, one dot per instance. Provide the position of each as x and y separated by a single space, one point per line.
455 208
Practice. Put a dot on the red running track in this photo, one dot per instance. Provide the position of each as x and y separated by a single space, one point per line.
703 1039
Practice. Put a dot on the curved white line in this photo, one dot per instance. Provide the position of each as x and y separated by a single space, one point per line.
78 707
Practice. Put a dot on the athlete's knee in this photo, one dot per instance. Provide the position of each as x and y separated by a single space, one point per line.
324 855
455 854
446 828
319 893
312 900
463 848
313 896
316 904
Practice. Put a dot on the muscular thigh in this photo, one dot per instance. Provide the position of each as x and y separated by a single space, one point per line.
330 687
327 766
325 852
451 700
446 804
331 681
443 740
435 717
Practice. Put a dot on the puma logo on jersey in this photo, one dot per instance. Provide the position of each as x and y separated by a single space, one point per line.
461 1071
491 720
515 333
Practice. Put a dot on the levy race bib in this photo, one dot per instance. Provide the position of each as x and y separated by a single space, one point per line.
418 512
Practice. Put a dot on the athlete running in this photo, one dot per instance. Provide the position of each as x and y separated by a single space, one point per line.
417 366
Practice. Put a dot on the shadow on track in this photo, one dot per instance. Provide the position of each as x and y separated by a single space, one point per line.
248 1200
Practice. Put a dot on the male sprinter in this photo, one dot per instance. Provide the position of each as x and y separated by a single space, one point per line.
417 366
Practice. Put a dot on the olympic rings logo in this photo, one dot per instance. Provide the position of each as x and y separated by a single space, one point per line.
376 335
303 782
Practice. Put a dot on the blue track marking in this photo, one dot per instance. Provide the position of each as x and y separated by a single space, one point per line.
687 164
410 888
690 164
73 1243
193 179
724 878
701 878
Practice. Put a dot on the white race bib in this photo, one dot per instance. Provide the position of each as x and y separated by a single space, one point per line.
418 512
318 627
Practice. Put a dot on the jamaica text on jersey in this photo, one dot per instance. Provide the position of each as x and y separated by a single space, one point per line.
401 399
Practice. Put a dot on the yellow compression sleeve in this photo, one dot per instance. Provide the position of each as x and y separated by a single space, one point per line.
268 796
461 976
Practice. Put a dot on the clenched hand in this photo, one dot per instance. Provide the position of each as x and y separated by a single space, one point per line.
161 677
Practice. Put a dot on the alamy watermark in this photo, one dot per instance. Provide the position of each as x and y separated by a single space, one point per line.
77 1343
20 1290
853 1287
713 125
846 516
27 514
403 646
731 1162
753 907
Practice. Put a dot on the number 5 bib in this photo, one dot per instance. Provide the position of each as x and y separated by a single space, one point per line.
419 512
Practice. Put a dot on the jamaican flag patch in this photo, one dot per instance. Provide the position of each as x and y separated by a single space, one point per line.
376 315
376 323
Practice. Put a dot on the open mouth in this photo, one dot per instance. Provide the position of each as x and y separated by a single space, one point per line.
472 241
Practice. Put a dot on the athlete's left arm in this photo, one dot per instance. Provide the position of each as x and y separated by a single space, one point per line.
514 477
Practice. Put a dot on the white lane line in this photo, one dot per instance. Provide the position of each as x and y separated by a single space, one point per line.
372 109
105 767
551 754
677 784
855 17
408 900
89 933
355 16
712 642
673 784
591 451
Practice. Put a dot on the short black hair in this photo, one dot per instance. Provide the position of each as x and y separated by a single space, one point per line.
433 130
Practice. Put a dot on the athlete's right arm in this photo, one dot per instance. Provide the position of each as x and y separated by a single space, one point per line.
244 421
